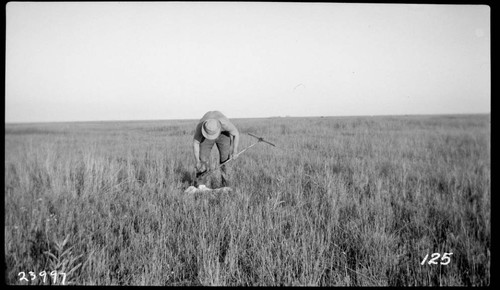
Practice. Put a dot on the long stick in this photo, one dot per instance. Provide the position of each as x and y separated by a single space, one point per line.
261 139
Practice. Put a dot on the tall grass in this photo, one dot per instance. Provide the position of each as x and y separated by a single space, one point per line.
355 201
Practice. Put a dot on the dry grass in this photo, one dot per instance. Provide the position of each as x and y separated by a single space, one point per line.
352 201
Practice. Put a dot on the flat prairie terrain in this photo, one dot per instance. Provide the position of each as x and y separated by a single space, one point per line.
343 201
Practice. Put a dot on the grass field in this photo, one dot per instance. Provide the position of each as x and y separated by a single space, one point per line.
345 201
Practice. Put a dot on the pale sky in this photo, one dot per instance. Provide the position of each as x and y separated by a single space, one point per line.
91 61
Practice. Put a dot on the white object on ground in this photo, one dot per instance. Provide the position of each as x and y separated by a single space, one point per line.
190 189
203 188
193 189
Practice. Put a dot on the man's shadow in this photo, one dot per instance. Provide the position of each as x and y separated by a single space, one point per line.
187 178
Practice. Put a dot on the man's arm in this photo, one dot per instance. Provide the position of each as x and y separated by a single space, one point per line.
197 138
236 141
233 131
196 151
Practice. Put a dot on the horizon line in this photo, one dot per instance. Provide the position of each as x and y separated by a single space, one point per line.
270 117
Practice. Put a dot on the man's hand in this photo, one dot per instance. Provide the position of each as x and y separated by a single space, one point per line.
233 155
200 166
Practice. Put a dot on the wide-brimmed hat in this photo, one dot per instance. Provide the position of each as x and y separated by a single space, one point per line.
211 129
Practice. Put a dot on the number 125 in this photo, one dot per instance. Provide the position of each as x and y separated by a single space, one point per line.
435 256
